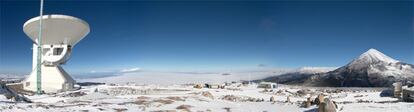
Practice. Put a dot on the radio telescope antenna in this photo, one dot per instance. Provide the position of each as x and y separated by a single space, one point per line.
54 43
39 53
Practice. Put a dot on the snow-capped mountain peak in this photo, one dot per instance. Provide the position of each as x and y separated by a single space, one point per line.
372 56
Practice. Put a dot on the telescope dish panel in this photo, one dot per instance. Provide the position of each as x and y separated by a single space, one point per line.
57 29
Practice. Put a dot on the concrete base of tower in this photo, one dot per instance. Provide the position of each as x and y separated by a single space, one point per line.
53 79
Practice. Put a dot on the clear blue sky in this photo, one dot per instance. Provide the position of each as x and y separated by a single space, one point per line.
212 35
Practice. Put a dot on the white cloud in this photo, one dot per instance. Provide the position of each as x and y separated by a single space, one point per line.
131 70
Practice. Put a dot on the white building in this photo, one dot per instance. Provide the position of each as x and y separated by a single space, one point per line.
267 85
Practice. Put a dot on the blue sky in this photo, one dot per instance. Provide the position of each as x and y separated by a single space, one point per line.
213 35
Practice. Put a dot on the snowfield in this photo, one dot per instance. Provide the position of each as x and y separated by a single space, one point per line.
234 98
149 91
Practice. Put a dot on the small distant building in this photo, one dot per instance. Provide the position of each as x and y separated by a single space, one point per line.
246 82
267 85
397 89
215 86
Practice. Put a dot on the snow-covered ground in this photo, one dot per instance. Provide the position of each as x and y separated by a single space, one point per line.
143 91
235 98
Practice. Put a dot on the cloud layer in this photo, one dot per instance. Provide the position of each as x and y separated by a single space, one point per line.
136 69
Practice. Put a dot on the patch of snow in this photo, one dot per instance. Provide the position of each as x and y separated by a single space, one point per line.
91 97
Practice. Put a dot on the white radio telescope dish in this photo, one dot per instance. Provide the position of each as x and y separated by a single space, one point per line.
59 34
57 29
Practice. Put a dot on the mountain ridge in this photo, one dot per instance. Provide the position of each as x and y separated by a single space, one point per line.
371 69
